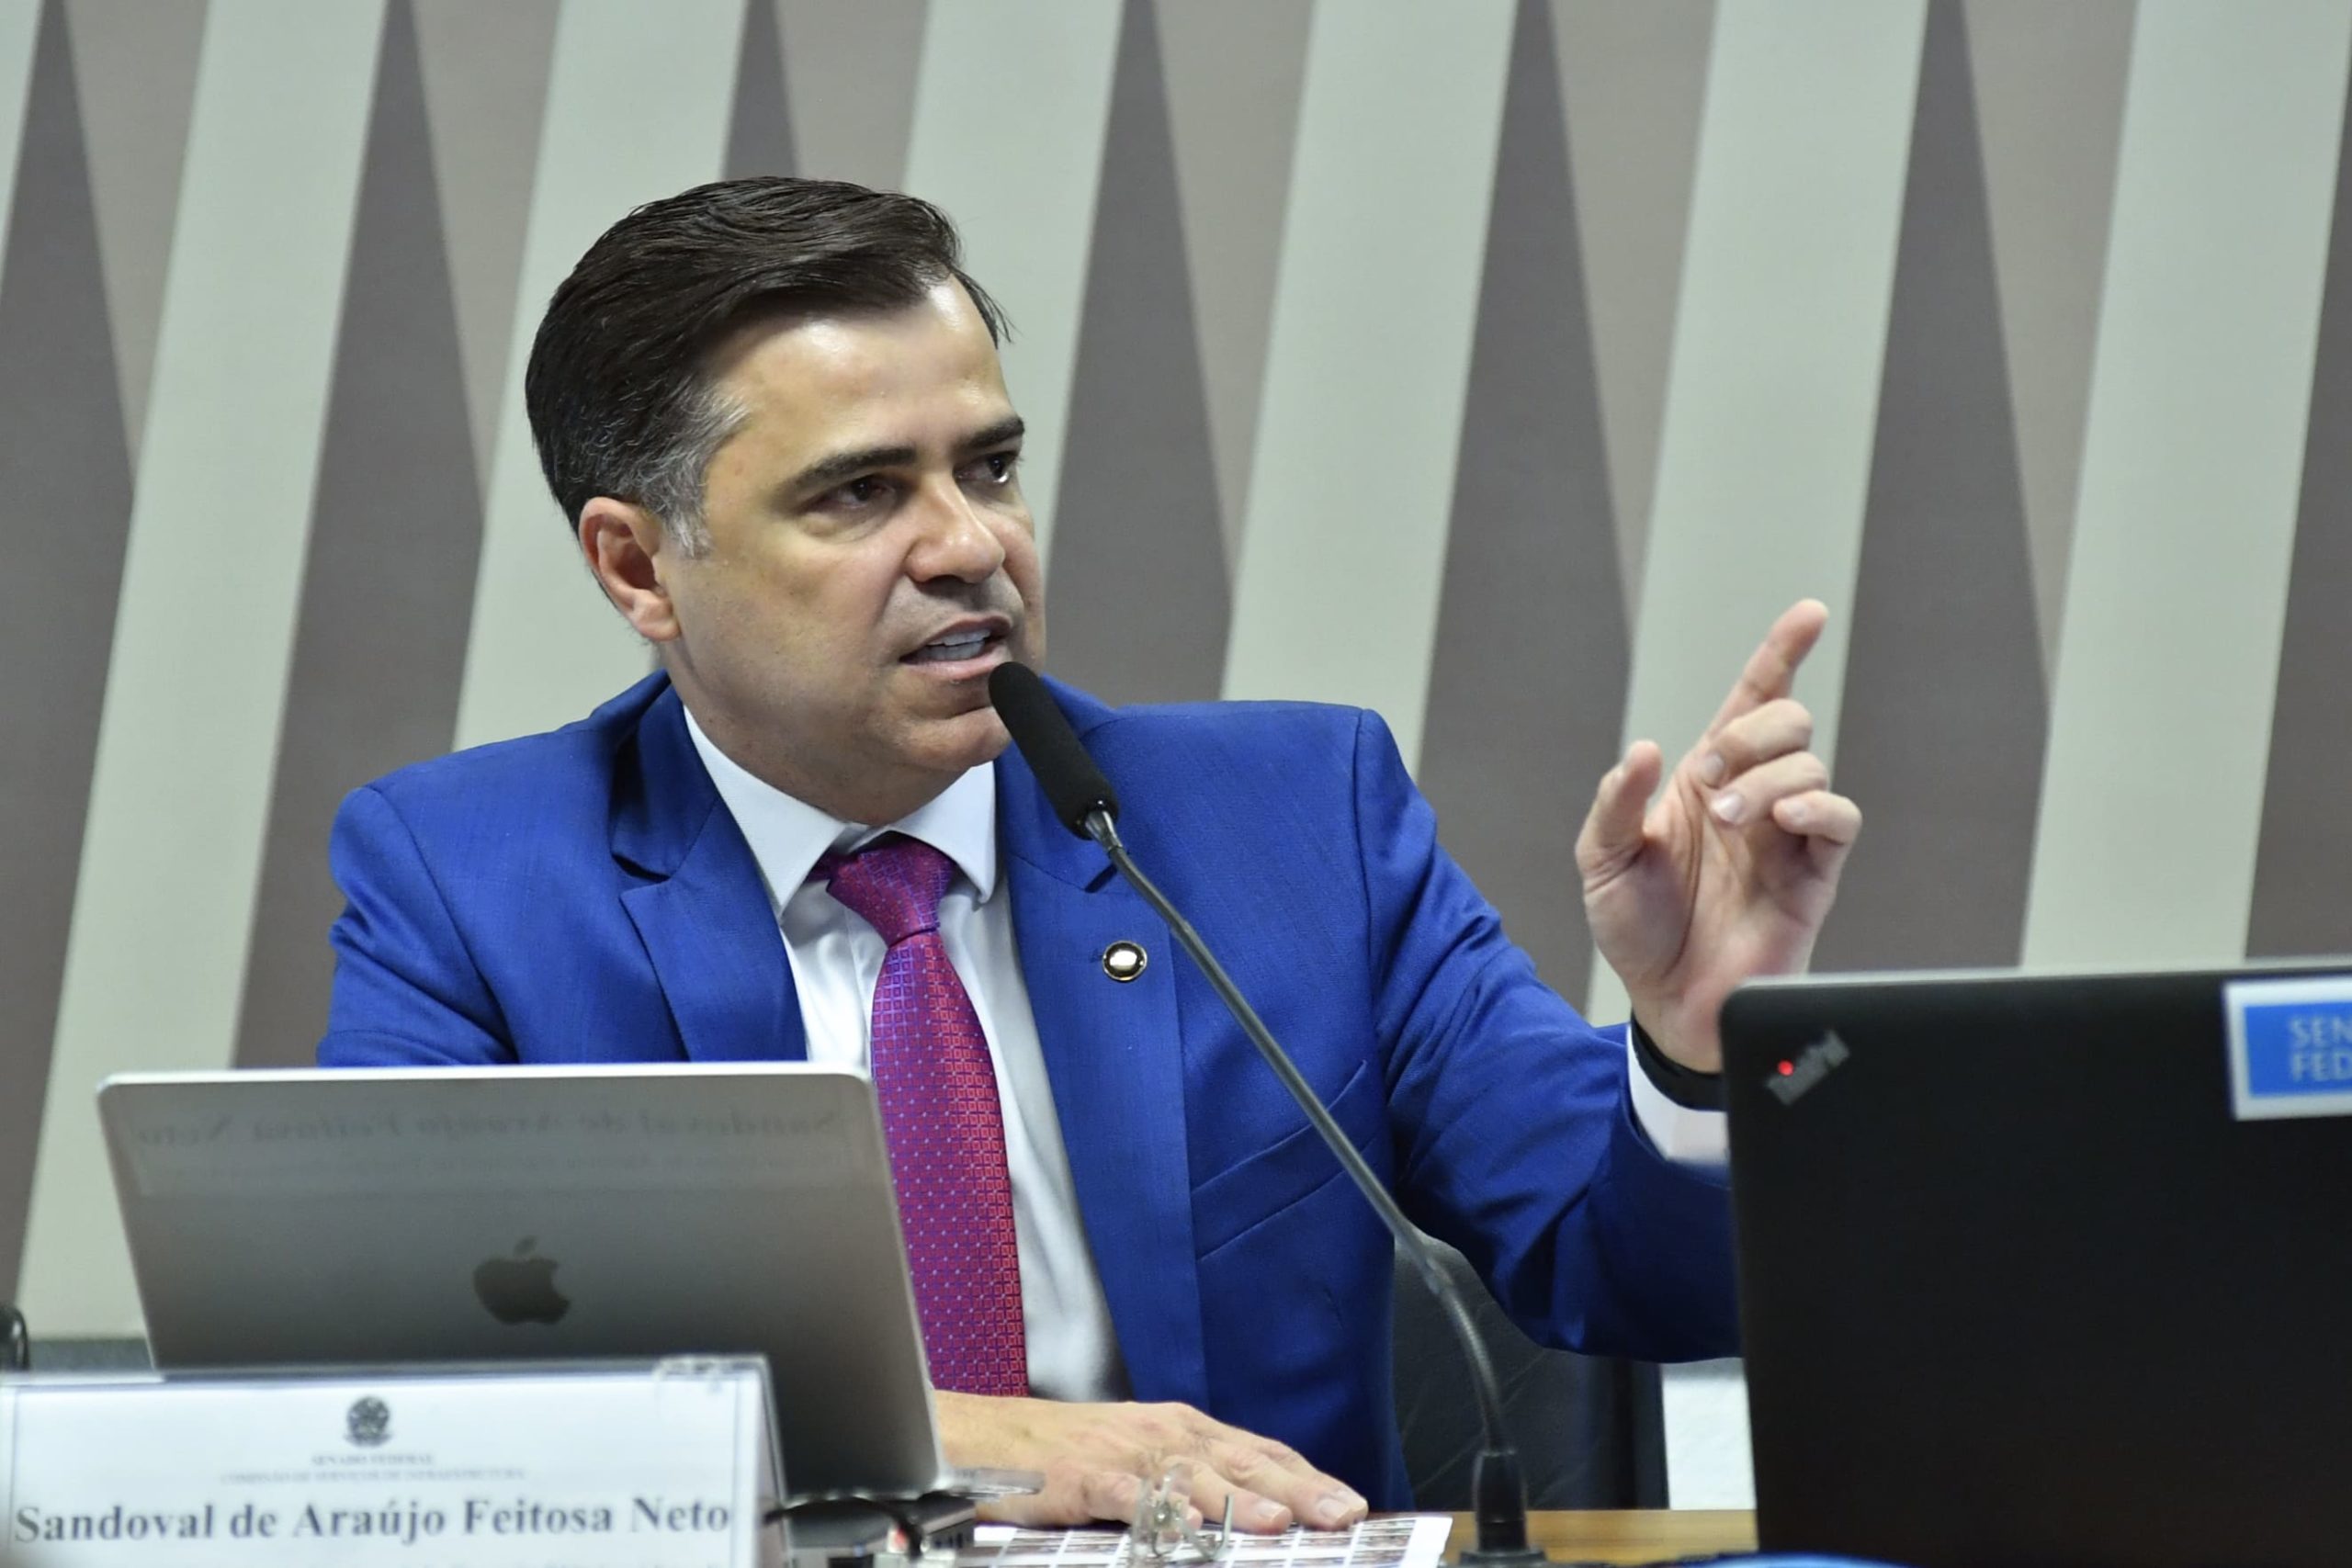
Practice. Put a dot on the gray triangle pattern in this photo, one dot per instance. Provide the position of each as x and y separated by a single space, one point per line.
1945 716
135 64
1141 594
486 69
2303 860
1235 72
758 134
1528 681
849 82
2050 83
388 585
69 481
1632 84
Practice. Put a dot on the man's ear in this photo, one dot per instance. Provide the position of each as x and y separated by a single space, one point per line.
629 553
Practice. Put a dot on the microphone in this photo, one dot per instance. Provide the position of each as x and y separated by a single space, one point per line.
1085 803
1074 786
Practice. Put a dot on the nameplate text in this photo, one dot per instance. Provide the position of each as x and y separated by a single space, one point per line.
654 1470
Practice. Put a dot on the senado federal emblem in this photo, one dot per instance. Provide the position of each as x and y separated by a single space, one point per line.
370 1424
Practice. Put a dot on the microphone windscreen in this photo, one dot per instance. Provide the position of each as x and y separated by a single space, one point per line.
1074 786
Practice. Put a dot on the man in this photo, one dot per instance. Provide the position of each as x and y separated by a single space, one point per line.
771 412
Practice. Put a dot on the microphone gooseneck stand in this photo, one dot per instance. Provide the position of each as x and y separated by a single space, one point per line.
1499 1493
1085 803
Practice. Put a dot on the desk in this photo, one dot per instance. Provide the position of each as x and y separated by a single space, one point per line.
1649 1535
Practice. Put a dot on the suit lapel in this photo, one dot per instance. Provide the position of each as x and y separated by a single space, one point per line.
1114 1056
702 912
1113 1053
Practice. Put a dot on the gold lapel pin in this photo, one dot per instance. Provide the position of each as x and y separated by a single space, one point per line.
1123 961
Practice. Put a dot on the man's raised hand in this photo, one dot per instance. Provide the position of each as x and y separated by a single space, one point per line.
1731 871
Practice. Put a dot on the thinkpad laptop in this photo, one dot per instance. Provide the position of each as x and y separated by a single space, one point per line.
370 1217
2049 1270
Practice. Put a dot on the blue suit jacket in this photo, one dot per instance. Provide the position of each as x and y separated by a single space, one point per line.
584 897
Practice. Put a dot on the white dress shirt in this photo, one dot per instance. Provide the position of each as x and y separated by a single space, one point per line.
1677 1131
836 958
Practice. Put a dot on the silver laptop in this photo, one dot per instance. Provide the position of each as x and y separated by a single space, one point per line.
534 1214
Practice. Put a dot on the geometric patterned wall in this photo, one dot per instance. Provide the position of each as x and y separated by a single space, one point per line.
1502 365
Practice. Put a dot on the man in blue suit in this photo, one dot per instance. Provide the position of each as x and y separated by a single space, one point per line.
772 412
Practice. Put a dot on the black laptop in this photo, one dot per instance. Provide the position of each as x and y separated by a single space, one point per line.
2049 1270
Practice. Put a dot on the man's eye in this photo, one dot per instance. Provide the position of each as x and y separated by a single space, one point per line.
996 467
863 491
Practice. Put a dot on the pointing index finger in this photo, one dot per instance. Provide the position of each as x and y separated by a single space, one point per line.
1771 670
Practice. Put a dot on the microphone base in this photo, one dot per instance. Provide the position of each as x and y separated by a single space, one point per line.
1498 1518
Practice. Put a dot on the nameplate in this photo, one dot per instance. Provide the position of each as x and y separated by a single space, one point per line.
2290 1047
654 1468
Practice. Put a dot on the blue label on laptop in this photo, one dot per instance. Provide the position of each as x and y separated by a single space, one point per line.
2291 1046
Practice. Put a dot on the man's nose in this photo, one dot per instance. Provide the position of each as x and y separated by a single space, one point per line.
957 540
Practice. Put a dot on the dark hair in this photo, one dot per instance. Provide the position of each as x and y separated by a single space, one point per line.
618 388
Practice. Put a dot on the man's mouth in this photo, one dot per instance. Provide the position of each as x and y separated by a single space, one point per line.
968 642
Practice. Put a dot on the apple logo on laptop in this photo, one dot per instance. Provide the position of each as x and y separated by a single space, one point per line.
521 1289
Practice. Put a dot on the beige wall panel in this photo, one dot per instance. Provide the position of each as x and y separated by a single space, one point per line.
1764 450
1772 399
1010 106
19 26
2192 455
1375 306
180 790
545 646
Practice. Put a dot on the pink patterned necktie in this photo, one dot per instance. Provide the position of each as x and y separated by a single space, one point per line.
940 1116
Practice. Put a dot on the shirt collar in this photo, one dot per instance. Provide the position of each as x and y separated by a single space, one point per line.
787 835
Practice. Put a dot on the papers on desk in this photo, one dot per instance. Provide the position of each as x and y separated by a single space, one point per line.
1407 1540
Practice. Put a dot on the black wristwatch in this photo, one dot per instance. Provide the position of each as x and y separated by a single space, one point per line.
1687 1087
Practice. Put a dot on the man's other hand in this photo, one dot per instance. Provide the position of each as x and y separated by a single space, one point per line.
1095 1460
1731 871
